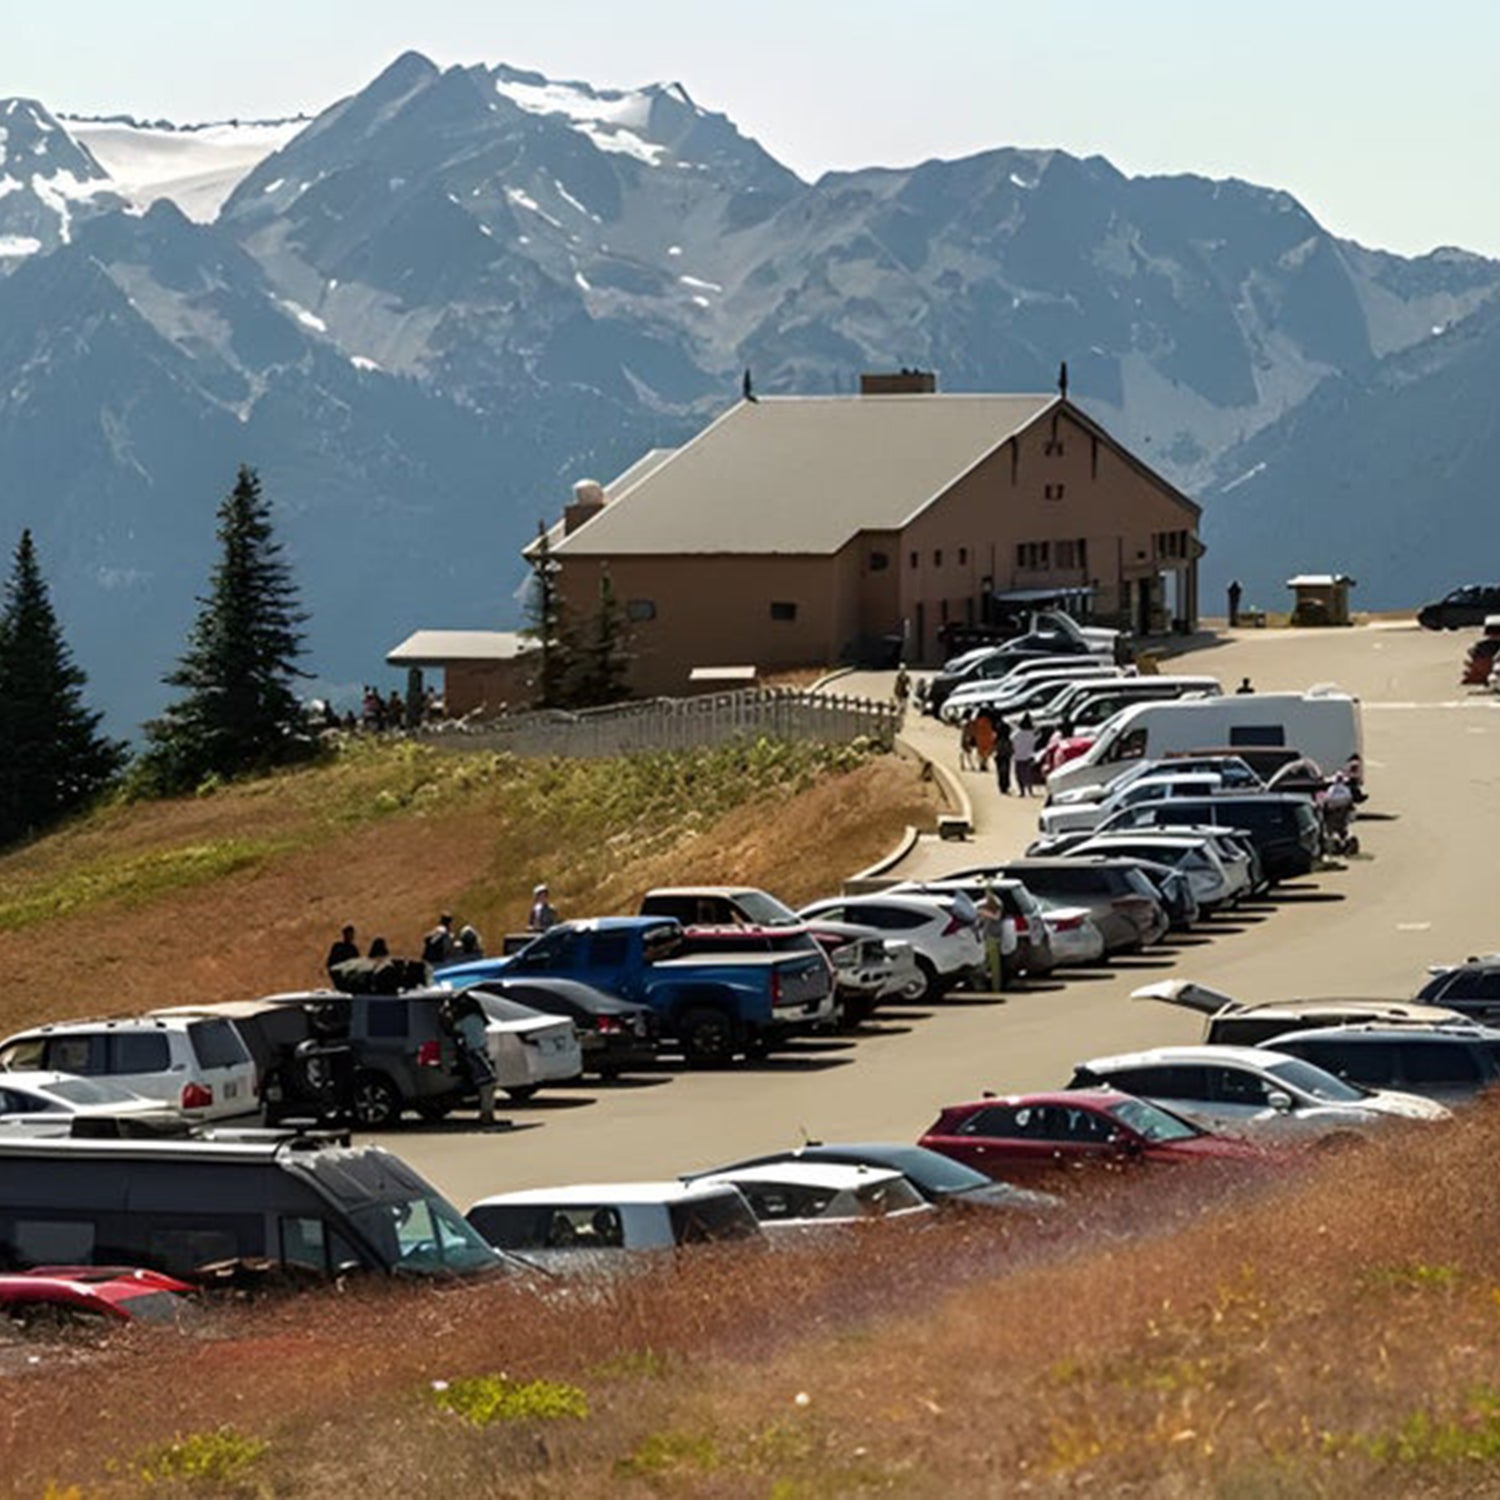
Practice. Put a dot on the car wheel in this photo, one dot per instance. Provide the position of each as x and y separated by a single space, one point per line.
707 1036
925 986
521 1092
377 1101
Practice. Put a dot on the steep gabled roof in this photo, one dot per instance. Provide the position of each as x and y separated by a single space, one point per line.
801 474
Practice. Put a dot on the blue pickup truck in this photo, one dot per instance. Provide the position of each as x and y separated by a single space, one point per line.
716 1004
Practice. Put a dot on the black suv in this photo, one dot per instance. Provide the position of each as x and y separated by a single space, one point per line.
1466 606
1472 988
1283 826
1451 1064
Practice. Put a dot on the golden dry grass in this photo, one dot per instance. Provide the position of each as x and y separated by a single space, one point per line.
1335 1333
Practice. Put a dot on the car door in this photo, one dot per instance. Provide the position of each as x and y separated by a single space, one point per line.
1003 1140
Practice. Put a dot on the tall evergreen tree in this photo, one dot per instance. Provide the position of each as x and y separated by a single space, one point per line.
238 711
53 760
600 662
547 625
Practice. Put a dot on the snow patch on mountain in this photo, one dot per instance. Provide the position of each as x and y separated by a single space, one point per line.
612 120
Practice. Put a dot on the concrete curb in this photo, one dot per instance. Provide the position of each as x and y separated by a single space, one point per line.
832 676
953 789
870 875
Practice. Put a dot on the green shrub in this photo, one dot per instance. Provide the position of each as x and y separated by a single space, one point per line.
209 1458
483 1399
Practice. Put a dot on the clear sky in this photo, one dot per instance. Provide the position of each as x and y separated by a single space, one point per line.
1381 117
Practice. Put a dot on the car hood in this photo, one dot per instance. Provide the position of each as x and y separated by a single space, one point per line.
1003 1195
1405 1106
1212 1147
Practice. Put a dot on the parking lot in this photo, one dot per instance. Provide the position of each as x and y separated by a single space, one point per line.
1419 891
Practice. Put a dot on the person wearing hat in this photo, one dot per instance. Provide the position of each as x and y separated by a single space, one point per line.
543 912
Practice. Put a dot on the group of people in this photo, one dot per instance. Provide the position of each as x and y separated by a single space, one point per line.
986 736
378 714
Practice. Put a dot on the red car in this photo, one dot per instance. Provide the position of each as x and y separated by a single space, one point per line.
1028 1137
116 1293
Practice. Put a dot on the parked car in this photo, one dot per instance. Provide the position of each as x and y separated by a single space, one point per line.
199 1067
1121 902
1451 1063
1035 932
183 1206
1231 767
999 663
820 1194
1284 826
594 1226
1238 1089
944 1183
1044 1137
1032 687
406 1057
868 966
1070 817
1196 859
106 1294
615 1036
48 1103
718 906
1247 1023
1466 606
1471 988
943 931
715 1005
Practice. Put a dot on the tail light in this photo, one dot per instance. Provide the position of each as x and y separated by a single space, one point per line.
1023 926
609 1025
954 925
1068 924
775 987
196 1096
430 1055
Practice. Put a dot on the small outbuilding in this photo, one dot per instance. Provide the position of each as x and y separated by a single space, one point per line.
483 670
1321 598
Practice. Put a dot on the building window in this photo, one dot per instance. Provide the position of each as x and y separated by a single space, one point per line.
937 558
879 562
1053 448
1033 557
640 610
1073 554
1053 491
963 556
782 610
914 559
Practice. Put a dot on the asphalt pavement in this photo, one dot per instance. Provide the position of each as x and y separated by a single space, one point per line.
1421 890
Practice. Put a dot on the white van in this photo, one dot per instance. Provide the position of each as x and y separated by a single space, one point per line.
1322 724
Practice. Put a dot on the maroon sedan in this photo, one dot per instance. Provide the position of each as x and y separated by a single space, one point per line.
1032 1137
113 1293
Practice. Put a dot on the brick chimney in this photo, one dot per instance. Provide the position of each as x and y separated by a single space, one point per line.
899 383
588 501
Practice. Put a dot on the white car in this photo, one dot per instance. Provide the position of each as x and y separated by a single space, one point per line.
942 930
1248 1090
596 1226
199 1067
870 963
1022 690
819 1194
1074 935
1074 816
1209 881
47 1103
528 1048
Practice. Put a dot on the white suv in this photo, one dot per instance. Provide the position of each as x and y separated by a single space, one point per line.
200 1067
942 930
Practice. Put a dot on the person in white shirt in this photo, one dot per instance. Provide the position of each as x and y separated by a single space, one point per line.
1023 749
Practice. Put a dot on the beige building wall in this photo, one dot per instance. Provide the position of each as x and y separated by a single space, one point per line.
717 611
490 685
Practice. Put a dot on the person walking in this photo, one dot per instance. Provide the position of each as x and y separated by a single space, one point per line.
984 737
543 913
469 945
343 949
470 1032
1000 940
966 746
1235 594
1023 748
1004 751
1246 686
437 946
902 688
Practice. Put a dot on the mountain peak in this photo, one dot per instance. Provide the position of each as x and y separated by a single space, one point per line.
46 180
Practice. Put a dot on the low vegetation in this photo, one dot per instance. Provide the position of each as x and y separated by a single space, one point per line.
1285 1341
238 890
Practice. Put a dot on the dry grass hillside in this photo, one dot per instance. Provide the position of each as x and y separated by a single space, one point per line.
240 892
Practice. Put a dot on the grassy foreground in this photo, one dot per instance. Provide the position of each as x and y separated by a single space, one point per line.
1335 1334
239 893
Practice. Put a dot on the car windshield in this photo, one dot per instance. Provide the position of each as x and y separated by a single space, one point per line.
1151 1123
424 1236
1313 1081
159 1307
766 911
929 1170
91 1091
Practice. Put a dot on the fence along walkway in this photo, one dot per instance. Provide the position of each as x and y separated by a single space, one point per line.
681 724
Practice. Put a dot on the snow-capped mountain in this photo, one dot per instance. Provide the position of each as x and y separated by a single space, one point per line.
427 311
47 182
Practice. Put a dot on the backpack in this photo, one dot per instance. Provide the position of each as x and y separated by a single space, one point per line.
436 946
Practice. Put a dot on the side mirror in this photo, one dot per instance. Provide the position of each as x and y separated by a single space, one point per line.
1281 1103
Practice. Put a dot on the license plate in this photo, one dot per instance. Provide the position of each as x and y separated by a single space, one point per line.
231 1091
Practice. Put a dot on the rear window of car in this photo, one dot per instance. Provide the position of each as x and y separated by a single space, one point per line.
1439 1063
216 1044
723 1216
139 1052
385 1018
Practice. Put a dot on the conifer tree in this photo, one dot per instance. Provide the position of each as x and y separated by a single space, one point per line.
547 624
600 661
53 760
238 711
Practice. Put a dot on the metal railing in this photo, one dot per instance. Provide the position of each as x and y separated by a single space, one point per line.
680 724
